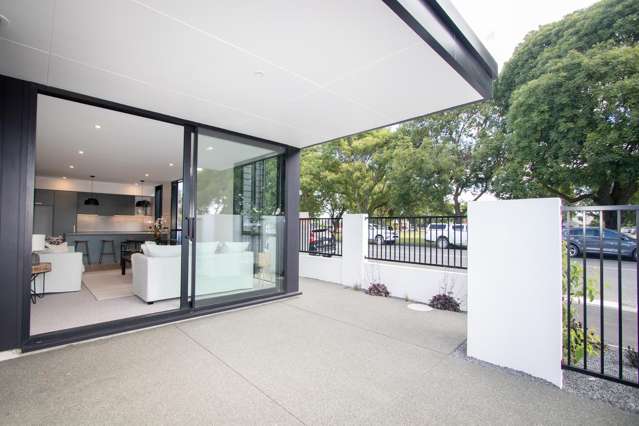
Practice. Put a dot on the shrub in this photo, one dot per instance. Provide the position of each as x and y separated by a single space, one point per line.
445 302
378 290
632 356
580 343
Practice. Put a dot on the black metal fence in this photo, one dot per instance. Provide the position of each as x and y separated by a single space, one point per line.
601 291
321 236
424 240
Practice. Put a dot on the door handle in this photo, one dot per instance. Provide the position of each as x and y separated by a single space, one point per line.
190 228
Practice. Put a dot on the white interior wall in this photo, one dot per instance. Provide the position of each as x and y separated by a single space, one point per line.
514 285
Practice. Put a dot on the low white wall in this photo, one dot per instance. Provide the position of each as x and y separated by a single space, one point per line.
352 269
321 268
514 285
416 282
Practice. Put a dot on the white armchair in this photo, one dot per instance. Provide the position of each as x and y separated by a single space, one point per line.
66 272
155 278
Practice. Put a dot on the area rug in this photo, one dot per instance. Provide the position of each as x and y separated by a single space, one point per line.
111 284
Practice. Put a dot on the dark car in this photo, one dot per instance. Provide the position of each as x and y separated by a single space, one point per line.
588 240
322 241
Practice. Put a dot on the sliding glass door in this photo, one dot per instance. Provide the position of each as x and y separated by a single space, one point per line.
238 222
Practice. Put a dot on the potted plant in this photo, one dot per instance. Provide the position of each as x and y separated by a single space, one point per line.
156 228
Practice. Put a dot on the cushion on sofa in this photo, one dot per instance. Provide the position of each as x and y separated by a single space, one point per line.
207 248
234 247
162 251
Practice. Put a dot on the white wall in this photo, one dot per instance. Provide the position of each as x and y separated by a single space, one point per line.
321 268
416 282
352 269
514 285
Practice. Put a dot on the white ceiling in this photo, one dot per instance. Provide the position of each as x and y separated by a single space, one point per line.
330 68
124 149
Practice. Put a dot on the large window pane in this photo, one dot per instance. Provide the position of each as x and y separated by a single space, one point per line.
240 222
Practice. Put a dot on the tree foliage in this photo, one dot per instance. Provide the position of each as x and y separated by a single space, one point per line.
570 97
349 174
418 168
457 151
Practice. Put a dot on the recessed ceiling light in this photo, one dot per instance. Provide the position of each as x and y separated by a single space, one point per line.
259 74
80 152
210 148
199 169
97 126
171 164
146 175
71 166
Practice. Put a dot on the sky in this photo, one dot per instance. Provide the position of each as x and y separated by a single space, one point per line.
502 24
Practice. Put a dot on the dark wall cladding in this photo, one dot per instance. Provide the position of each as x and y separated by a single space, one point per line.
17 148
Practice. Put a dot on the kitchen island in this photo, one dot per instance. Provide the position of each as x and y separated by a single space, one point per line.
94 241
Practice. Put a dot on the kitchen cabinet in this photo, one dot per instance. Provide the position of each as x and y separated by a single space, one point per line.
43 197
64 212
110 204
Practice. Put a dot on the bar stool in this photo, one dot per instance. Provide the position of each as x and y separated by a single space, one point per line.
105 244
83 244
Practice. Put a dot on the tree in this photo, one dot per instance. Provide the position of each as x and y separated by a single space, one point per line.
458 151
349 174
570 96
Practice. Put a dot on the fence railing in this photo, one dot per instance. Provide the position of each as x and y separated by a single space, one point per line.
321 236
601 291
424 240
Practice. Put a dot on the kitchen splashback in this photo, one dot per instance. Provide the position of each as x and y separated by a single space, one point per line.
129 223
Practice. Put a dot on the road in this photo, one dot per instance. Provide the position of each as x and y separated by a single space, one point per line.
455 256
611 321
611 271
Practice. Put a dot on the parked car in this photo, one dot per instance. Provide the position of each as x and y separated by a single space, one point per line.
447 234
591 242
380 234
322 241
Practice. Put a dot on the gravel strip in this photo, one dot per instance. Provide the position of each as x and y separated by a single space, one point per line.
618 395
621 396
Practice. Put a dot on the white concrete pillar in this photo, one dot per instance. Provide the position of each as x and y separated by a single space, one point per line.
354 249
514 285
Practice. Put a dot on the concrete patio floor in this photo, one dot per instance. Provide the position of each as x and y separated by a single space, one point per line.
330 356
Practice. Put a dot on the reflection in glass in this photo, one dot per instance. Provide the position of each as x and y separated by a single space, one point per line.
240 223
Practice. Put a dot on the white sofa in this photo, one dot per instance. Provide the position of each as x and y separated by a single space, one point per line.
66 271
157 271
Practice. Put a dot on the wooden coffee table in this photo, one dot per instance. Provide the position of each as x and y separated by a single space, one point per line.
36 270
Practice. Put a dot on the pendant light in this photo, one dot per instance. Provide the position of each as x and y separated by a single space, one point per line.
142 203
91 201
